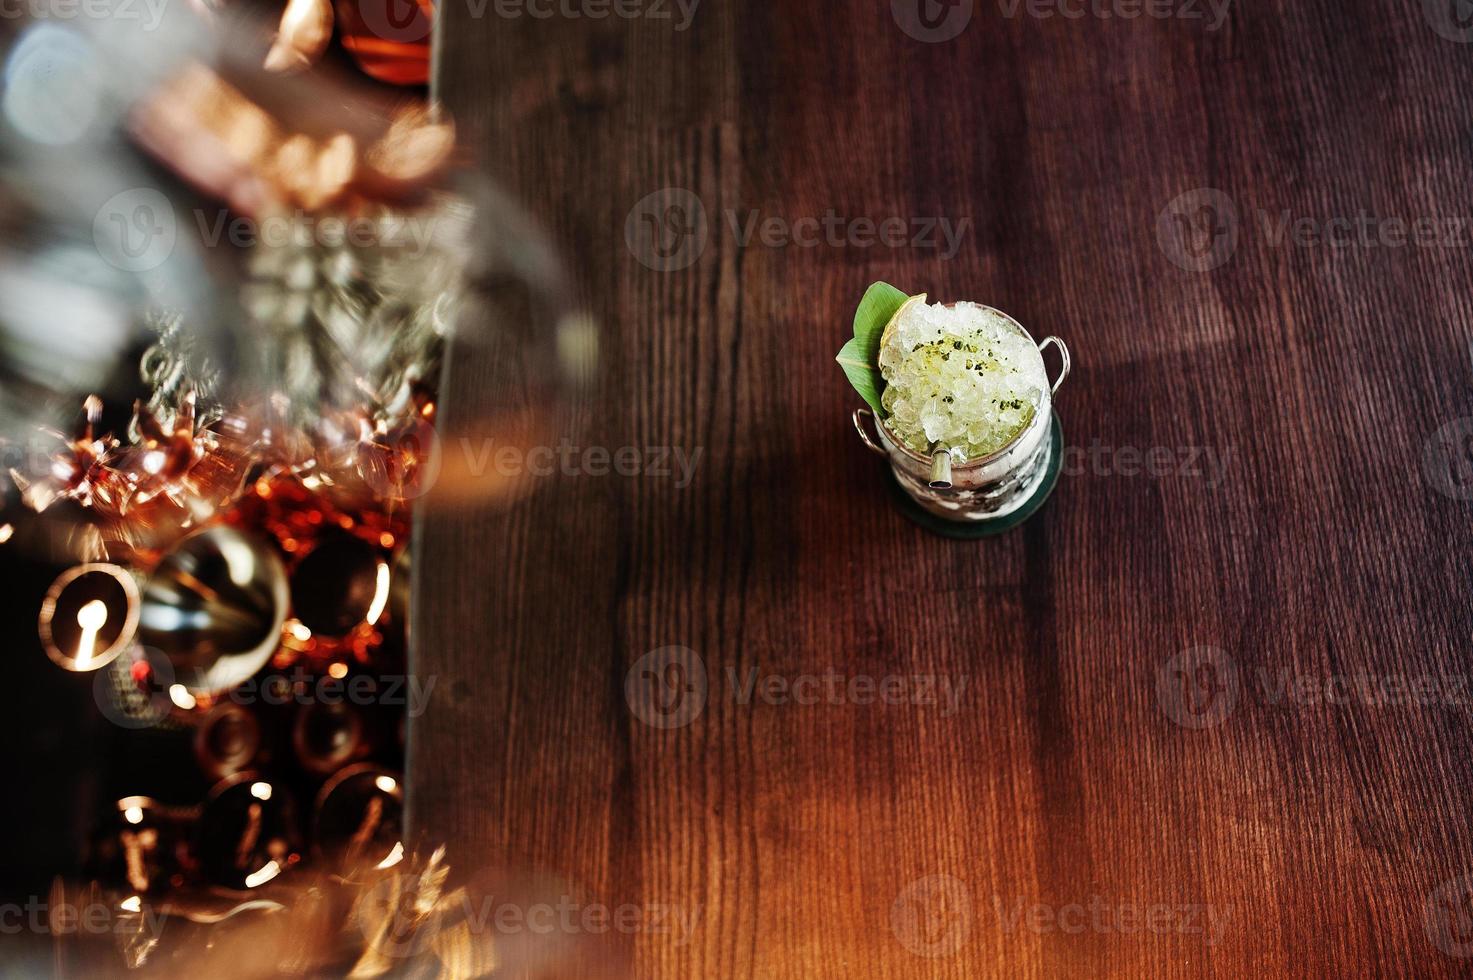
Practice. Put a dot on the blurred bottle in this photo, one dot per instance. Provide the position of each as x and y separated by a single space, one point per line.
229 740
389 39
247 834
358 820
328 736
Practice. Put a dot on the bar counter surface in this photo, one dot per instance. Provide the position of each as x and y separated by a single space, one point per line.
1206 715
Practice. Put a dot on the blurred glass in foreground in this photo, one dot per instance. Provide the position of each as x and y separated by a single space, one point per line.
253 273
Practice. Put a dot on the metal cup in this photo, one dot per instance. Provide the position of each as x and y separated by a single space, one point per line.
979 489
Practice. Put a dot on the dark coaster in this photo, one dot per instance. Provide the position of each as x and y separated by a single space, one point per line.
970 530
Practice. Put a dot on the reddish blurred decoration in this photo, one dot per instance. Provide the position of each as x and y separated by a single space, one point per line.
388 39
79 469
255 519
240 543
341 565
170 477
302 35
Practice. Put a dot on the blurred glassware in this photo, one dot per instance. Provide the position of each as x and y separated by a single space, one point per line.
358 819
146 841
301 37
390 39
326 736
312 302
215 606
89 245
342 583
247 834
89 616
228 740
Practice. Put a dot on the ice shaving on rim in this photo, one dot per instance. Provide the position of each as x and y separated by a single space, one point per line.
961 378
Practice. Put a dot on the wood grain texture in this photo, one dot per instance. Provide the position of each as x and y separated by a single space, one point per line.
1318 549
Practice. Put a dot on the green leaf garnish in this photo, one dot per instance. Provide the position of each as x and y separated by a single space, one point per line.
862 373
860 357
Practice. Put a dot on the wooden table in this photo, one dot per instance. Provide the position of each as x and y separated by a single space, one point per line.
1212 712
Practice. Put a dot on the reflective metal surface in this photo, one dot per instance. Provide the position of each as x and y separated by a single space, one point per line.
981 489
215 606
89 616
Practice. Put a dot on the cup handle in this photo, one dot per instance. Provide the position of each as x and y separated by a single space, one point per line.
1064 361
859 415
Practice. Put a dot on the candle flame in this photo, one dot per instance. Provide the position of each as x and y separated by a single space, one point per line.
91 617
271 870
395 856
380 594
